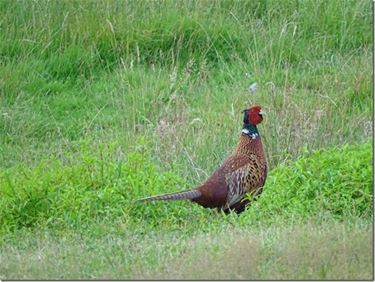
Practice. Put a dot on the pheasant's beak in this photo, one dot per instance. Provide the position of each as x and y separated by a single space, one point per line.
261 112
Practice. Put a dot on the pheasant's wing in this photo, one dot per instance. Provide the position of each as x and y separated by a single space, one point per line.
249 176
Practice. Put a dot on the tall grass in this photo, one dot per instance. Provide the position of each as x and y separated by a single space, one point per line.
116 69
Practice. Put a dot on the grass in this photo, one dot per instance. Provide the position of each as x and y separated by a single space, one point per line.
311 250
64 196
57 86
103 102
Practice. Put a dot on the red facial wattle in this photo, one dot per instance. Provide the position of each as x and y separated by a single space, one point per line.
254 115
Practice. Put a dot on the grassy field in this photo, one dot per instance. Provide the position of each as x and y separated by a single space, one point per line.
314 250
105 102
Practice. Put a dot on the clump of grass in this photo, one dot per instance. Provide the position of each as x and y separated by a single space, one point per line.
103 186
334 181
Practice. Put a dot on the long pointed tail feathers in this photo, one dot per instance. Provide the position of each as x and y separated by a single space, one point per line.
184 195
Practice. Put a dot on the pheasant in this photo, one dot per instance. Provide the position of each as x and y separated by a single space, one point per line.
243 172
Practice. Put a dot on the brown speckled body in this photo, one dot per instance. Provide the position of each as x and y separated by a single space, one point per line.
244 171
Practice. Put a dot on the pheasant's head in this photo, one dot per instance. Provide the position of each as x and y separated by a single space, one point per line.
253 115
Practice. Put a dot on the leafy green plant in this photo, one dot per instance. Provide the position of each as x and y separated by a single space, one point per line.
333 181
99 188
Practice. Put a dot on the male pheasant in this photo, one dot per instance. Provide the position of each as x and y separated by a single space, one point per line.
243 172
